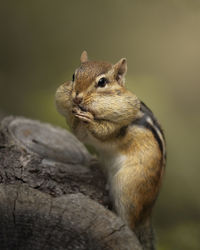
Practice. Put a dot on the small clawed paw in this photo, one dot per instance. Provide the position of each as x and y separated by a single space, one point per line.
82 115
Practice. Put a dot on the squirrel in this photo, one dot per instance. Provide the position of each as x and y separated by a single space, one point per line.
130 142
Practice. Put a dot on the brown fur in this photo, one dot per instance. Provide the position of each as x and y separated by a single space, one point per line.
103 117
87 73
141 172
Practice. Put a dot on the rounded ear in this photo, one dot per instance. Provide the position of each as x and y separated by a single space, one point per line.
84 56
120 69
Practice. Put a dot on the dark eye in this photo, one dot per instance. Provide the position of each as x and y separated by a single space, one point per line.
102 82
73 77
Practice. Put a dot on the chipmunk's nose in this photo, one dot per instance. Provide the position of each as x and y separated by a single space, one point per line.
78 98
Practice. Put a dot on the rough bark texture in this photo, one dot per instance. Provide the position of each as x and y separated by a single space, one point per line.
52 194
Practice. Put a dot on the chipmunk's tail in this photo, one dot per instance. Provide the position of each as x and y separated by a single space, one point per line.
145 234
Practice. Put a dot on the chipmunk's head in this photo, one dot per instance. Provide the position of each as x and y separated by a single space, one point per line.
98 77
99 87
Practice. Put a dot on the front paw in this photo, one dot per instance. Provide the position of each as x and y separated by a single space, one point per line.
82 115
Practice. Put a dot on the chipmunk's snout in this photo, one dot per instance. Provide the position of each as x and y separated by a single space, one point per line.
78 98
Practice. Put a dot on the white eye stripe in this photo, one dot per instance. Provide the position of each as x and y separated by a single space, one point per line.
99 77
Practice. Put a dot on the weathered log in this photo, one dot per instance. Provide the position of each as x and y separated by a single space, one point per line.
47 158
52 192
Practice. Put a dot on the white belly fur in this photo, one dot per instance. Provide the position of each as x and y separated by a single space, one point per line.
111 160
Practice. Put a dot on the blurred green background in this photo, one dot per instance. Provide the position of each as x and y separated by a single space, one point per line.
40 46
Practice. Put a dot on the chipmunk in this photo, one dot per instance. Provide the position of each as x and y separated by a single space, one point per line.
124 131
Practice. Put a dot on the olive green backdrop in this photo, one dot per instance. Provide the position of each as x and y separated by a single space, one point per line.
40 45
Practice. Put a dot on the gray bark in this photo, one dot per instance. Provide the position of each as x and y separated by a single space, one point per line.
52 192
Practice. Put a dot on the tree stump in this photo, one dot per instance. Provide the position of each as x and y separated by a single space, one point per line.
52 192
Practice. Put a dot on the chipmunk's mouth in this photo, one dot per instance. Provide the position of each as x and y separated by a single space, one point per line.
82 108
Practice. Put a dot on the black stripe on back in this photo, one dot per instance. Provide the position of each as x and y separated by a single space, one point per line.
144 123
147 111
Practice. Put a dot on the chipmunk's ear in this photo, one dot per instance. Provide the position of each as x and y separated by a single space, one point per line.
120 69
84 56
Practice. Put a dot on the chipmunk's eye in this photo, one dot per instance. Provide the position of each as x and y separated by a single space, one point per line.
73 77
102 82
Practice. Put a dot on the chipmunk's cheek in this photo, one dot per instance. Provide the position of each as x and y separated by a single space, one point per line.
63 98
92 108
